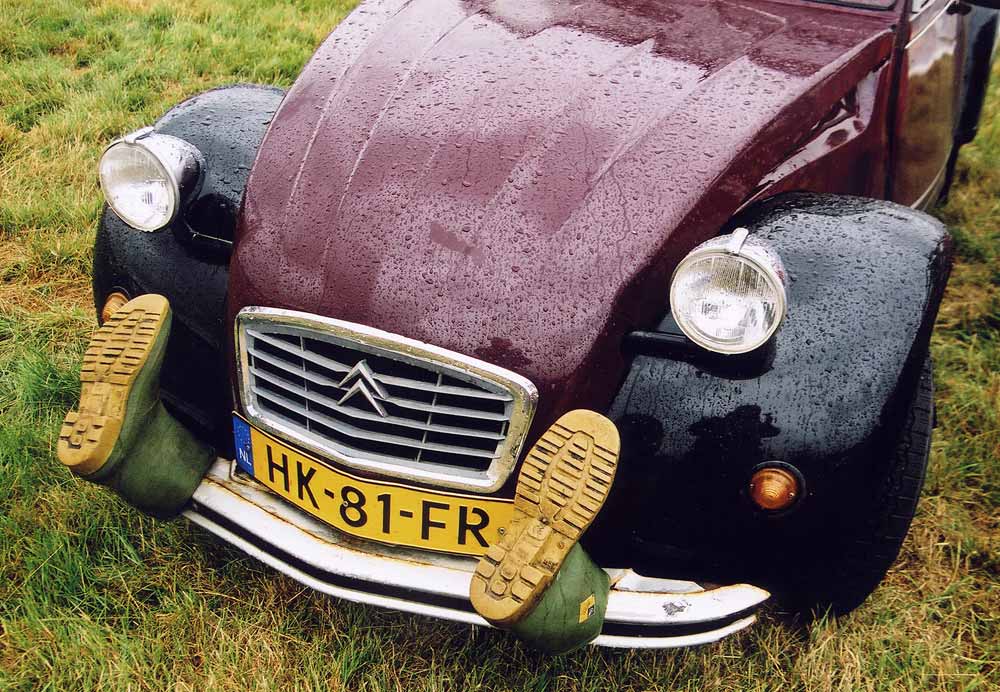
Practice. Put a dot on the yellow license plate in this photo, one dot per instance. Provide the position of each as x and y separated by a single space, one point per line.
376 510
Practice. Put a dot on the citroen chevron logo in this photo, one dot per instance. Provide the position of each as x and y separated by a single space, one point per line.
365 384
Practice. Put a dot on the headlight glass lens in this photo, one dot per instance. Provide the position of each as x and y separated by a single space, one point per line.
138 187
728 295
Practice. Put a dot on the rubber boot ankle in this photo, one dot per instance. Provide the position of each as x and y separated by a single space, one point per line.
571 612
121 436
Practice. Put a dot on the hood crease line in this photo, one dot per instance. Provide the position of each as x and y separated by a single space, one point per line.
403 81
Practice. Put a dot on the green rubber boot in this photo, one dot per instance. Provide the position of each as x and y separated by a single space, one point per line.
121 436
537 581
570 613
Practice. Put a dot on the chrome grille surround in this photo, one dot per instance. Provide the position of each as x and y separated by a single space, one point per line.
380 402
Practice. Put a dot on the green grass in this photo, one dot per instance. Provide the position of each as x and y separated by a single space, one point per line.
94 596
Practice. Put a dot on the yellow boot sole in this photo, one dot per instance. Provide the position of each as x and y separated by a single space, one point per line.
116 354
563 483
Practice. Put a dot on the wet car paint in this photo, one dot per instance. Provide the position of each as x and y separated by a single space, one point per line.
845 152
929 90
516 181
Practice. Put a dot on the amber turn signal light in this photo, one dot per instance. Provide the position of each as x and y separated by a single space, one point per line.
114 302
773 489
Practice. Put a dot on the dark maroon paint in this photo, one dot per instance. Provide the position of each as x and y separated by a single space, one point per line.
516 181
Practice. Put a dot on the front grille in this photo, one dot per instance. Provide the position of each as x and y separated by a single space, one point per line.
380 402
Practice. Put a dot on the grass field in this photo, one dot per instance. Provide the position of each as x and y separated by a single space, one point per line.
93 596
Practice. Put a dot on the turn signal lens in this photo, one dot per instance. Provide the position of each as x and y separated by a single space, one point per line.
113 303
773 489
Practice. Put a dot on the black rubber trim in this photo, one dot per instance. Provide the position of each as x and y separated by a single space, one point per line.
638 631
460 604
663 344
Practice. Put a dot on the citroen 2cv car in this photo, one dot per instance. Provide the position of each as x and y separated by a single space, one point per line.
700 217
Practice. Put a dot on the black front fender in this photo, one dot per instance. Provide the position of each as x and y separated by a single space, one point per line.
188 262
826 396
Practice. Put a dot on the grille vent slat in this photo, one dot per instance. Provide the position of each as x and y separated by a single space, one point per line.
425 407
339 367
351 431
374 407
326 402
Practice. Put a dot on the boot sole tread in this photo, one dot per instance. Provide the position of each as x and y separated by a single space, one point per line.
111 364
563 484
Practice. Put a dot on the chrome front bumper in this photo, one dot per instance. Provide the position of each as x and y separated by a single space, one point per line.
642 612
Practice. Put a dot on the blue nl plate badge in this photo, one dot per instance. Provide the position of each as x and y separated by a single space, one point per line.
244 452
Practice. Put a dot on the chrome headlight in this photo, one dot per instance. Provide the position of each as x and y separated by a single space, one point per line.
728 294
146 176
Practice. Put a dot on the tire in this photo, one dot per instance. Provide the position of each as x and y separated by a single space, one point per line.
853 563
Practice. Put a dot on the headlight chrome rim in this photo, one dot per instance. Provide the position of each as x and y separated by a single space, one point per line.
179 162
739 244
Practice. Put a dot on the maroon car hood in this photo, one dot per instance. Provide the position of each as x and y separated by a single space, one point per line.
515 180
